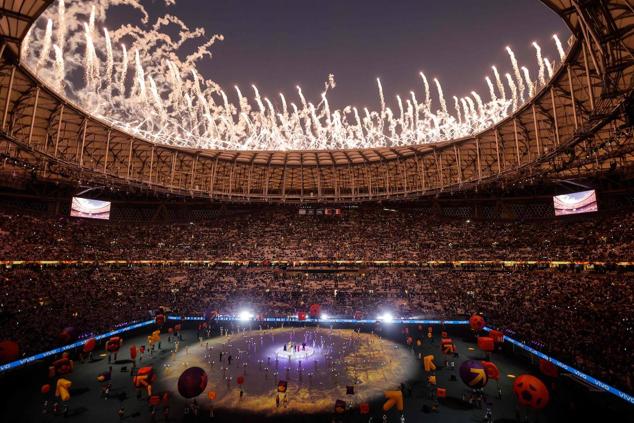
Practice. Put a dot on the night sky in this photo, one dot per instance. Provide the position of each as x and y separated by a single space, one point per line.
278 44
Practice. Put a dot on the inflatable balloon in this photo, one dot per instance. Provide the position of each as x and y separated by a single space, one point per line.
393 398
447 346
9 351
531 392
364 408
90 345
144 379
62 389
154 400
428 363
547 368
498 337
154 338
314 311
159 319
473 374
133 352
492 370
476 322
45 389
61 367
301 315
486 344
114 344
192 382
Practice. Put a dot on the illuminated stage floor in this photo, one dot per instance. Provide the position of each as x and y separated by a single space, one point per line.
317 372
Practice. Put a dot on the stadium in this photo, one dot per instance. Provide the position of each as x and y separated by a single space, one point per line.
177 249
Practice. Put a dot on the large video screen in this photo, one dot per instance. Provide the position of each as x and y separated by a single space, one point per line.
90 209
576 203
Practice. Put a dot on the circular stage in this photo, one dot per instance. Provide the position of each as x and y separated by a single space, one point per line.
317 367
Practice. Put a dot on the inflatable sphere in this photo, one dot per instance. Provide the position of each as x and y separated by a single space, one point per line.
192 382
476 322
9 351
314 311
45 389
473 374
531 392
90 344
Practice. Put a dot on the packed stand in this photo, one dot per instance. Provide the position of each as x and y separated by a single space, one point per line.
279 233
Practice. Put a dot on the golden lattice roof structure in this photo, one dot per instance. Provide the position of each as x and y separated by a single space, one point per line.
577 125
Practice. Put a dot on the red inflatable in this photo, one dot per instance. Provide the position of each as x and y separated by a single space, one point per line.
144 379
476 322
159 319
90 344
114 344
301 315
498 337
547 368
315 311
486 343
531 392
45 389
9 351
133 352
61 367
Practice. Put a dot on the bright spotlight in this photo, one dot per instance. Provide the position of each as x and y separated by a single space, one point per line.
386 318
324 316
245 316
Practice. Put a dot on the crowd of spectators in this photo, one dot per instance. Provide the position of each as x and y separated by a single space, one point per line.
283 234
583 318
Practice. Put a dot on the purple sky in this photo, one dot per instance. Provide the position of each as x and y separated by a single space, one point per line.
278 44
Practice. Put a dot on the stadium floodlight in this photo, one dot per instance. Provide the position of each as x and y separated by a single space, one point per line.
386 318
324 316
245 315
